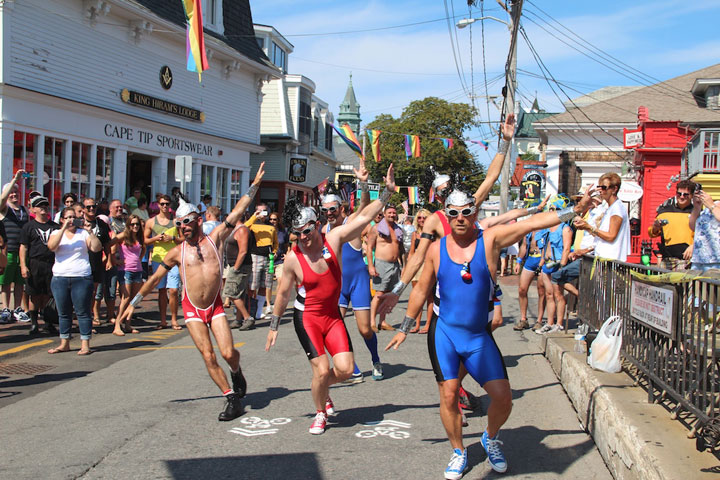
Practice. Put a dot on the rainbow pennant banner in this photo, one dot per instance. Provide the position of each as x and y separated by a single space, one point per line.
196 58
374 137
412 146
481 142
448 143
350 139
413 195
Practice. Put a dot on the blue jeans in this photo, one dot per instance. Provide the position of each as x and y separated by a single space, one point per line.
108 287
77 293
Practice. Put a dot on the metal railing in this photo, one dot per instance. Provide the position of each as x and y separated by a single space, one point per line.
679 360
702 154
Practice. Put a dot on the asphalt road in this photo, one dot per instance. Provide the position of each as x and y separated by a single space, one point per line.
124 413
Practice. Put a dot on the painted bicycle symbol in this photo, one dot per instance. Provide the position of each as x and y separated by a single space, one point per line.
385 428
255 426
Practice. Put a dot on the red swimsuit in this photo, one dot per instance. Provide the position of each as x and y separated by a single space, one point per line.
317 319
199 314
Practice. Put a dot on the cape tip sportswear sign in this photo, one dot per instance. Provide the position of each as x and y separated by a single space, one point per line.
154 103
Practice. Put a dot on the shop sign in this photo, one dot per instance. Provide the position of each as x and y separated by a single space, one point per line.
165 142
298 170
654 306
629 191
142 100
531 187
632 138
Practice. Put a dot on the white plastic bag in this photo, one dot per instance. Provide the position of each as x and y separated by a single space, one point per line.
605 349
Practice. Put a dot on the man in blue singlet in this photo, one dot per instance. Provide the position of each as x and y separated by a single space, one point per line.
355 277
461 334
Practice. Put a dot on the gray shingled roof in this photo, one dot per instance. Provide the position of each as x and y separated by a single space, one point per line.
238 25
670 100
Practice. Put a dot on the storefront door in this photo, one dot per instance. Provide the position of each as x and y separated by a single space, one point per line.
139 174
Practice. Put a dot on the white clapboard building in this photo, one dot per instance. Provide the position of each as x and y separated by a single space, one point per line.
96 99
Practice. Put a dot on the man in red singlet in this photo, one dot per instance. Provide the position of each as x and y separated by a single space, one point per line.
201 271
314 266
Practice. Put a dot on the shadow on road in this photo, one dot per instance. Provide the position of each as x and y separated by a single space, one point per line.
124 346
350 417
291 465
38 379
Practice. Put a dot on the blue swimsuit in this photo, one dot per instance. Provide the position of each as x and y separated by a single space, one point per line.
461 331
355 278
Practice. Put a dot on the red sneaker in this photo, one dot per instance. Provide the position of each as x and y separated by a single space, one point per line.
329 406
318 425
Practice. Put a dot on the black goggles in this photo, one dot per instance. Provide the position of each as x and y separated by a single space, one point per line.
454 212
305 231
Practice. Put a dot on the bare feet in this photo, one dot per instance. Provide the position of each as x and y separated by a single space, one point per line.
55 350
386 326
118 332
177 327
161 326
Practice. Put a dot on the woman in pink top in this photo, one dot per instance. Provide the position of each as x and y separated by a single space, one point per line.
132 250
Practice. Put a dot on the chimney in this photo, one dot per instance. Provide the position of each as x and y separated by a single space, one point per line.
643 115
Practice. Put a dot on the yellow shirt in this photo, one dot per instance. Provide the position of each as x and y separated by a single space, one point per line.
160 249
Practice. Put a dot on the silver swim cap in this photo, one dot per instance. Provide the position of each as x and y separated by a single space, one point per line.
185 208
459 199
439 180
305 215
330 198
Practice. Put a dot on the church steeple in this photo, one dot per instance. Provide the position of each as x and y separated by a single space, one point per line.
350 110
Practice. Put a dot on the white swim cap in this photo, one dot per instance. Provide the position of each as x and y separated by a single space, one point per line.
439 180
185 208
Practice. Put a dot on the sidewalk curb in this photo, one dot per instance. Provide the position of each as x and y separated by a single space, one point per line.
636 439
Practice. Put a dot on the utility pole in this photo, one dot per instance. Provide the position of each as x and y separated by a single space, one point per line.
510 87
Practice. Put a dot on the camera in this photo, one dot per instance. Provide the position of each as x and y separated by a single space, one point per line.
698 187
551 264
662 222
79 222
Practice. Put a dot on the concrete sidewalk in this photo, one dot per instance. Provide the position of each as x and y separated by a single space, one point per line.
637 439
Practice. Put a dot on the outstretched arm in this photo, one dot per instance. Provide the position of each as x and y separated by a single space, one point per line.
282 297
495 167
220 233
171 259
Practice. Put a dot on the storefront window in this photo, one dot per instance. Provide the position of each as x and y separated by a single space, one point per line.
235 187
24 158
103 173
222 192
80 169
53 172
206 180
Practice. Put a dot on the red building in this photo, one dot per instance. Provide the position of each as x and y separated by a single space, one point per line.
657 160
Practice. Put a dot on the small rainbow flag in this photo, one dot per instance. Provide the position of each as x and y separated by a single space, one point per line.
413 195
349 137
448 143
374 137
481 142
432 194
412 146
196 58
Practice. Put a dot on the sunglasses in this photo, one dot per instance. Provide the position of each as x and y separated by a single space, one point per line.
306 231
331 209
683 194
273 219
185 221
603 187
91 207
421 218
453 212
134 224
164 204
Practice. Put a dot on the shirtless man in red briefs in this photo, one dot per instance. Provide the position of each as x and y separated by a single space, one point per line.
201 272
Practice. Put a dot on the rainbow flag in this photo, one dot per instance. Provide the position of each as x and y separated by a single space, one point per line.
412 146
413 195
196 58
349 137
432 194
481 142
448 143
374 137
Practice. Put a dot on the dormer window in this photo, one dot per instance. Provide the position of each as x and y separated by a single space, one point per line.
212 15
279 57
707 92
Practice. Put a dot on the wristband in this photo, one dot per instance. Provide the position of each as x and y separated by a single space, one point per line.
504 147
274 322
398 288
385 196
566 214
406 324
532 211
136 300
364 187
229 225
252 191
429 236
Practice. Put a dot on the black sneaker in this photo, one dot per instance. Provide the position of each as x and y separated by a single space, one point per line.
50 329
233 408
248 324
239 383
34 329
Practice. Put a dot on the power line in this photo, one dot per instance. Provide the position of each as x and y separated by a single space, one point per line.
456 54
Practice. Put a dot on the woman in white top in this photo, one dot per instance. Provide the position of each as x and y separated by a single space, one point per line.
72 283
613 234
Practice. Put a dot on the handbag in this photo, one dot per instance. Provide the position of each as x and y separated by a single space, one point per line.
605 349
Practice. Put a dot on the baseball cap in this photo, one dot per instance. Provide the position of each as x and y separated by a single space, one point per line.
39 201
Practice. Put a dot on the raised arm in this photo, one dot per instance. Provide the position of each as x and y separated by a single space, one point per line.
495 167
220 233
362 176
5 194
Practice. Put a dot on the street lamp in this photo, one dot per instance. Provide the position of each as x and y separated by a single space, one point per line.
464 22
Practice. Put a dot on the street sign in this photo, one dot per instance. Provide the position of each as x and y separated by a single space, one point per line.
534 167
632 138
183 168
655 306
374 191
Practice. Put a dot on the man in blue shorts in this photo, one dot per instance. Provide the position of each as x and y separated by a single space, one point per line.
461 333
355 277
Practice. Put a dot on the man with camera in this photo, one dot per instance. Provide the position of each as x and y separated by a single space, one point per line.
673 228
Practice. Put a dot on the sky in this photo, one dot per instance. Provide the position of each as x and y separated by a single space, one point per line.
399 51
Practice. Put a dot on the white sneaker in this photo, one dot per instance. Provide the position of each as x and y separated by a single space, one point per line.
354 378
545 329
377 371
556 328
329 406
20 315
318 424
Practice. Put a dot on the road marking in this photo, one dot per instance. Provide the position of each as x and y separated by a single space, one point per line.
256 426
381 430
25 347
252 433
179 347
